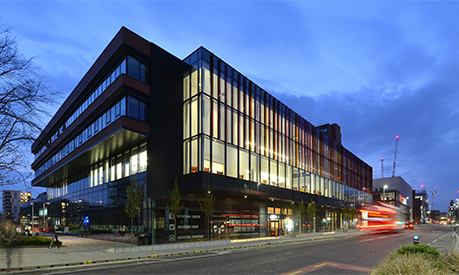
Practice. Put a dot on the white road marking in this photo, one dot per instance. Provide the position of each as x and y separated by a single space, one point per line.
367 240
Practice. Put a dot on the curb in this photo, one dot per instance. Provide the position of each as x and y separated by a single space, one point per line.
456 245
159 247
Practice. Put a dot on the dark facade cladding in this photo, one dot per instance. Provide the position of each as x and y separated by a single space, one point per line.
141 114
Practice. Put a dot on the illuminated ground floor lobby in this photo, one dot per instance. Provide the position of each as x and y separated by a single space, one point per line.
240 211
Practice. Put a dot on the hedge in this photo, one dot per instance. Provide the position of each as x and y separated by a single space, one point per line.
29 241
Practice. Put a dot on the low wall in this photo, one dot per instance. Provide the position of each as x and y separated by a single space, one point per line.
117 250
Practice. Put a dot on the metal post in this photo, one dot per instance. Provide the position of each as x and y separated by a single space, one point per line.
44 203
32 219
43 219
138 220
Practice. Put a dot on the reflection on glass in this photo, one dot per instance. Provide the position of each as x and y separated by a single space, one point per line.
218 152
256 137
231 161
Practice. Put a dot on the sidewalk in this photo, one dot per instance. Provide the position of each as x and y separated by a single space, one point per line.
84 253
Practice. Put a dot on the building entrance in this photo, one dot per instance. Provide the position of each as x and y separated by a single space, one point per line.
273 228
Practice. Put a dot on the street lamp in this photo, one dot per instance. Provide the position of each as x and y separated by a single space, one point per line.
409 208
32 218
44 217
384 191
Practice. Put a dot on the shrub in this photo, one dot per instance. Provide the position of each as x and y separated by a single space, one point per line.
101 231
419 259
451 262
421 249
28 241
409 264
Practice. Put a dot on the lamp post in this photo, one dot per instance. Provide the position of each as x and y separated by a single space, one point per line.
384 192
138 220
33 216
44 203
409 208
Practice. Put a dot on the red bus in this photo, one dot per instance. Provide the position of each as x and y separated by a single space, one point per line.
381 216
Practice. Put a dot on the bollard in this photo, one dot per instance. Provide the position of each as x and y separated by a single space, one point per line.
415 239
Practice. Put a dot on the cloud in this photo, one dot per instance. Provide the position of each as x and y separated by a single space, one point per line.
425 117
378 69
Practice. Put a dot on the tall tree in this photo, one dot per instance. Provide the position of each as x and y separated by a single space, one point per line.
207 207
175 207
300 211
347 215
23 100
311 214
134 199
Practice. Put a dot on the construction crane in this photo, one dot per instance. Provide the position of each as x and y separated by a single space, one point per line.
382 168
395 156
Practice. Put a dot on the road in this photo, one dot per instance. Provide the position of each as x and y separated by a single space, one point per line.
352 255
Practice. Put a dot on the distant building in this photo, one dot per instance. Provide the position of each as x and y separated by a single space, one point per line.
452 212
35 206
11 201
437 216
421 207
25 197
333 131
394 191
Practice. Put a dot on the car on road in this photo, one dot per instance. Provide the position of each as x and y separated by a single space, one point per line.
409 225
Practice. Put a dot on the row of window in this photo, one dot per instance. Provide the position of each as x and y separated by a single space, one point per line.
240 130
243 96
131 107
228 107
213 156
123 165
131 162
129 66
100 196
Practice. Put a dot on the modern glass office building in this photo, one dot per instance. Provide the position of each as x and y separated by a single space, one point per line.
142 114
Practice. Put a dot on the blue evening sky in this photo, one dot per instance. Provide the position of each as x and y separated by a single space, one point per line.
377 68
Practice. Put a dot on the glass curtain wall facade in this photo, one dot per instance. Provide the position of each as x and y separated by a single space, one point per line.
98 189
234 128
129 65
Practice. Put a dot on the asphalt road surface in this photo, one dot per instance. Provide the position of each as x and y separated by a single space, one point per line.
352 255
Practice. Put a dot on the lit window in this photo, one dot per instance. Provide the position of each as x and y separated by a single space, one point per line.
143 161
119 171
101 174
134 163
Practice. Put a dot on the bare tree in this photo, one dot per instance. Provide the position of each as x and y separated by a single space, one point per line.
23 100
